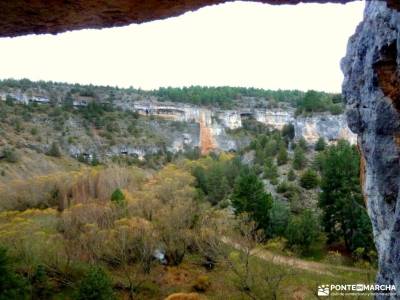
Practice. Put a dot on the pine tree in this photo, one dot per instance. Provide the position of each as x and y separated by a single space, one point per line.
299 160
12 286
320 145
217 184
291 175
271 171
309 179
279 218
95 286
344 214
303 144
303 231
118 197
249 197
282 155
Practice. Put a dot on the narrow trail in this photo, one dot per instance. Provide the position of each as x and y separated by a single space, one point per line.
207 143
297 263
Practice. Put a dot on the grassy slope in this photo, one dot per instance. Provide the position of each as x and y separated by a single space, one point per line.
299 285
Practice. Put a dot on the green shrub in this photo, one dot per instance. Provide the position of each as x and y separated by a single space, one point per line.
299 160
277 244
334 258
303 144
336 109
41 288
10 155
34 131
12 285
320 145
303 231
291 175
270 170
282 187
17 125
95 161
118 197
309 179
293 192
95 286
10 100
282 156
279 218
54 150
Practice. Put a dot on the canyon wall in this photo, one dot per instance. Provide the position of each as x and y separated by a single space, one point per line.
203 127
372 91
311 128
330 127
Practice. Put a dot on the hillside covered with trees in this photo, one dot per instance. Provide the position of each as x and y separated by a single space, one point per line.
222 97
203 225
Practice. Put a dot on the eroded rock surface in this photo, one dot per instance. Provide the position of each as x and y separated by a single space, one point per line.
19 17
372 91
330 127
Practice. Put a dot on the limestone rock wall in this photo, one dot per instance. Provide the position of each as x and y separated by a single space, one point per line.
275 118
372 91
330 127
215 123
19 17
327 126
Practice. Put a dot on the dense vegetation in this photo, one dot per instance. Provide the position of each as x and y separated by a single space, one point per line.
344 215
319 102
224 97
105 236
131 229
101 243
54 129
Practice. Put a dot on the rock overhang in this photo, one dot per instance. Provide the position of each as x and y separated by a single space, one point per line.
21 17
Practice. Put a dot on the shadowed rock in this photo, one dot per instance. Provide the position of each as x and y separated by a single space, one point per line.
372 91
19 17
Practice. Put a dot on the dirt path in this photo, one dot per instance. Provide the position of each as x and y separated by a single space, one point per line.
206 139
297 263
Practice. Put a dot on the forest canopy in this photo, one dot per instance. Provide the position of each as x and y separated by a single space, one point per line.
225 97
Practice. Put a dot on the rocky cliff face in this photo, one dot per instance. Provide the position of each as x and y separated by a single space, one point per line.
330 127
207 128
372 91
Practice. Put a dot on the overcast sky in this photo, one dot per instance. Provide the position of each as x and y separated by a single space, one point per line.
236 44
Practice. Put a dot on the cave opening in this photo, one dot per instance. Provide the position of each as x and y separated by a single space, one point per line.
386 69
